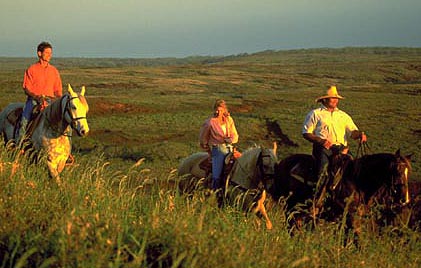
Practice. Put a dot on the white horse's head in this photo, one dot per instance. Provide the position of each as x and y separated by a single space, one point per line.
255 166
76 110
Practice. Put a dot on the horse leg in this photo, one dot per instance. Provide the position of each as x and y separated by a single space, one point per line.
56 163
53 171
58 153
260 207
354 213
188 184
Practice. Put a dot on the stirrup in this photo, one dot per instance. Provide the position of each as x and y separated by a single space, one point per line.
70 160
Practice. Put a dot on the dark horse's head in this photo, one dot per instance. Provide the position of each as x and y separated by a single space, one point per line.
384 178
400 169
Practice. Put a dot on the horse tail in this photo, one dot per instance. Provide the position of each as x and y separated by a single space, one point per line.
3 118
5 127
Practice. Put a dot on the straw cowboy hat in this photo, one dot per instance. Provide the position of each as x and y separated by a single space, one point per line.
332 92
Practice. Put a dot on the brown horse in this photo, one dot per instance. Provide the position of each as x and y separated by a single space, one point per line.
352 184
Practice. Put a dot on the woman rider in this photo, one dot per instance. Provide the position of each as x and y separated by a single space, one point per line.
217 135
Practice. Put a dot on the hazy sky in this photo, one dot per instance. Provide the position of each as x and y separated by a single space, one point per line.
180 28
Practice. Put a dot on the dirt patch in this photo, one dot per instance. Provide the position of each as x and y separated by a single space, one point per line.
114 85
243 108
102 106
416 132
110 136
247 106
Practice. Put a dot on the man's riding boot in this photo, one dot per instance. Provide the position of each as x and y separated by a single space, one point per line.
320 193
22 131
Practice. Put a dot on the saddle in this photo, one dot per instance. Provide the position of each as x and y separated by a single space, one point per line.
229 161
15 116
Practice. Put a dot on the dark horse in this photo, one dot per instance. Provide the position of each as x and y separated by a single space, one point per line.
352 185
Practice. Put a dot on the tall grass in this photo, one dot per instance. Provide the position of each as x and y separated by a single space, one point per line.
100 217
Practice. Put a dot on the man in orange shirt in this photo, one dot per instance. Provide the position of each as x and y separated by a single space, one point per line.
41 80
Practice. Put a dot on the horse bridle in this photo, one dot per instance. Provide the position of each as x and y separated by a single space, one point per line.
67 109
63 115
265 176
397 182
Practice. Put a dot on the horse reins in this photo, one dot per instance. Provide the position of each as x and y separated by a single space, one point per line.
363 149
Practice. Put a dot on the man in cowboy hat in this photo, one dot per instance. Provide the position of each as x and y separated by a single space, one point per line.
327 128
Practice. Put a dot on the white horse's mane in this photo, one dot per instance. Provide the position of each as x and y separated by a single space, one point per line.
251 148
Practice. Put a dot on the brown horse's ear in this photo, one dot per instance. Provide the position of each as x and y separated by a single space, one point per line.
408 157
398 152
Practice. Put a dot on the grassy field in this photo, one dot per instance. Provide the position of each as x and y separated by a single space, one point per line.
141 108
152 109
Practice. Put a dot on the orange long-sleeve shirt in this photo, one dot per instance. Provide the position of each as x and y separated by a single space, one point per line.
39 80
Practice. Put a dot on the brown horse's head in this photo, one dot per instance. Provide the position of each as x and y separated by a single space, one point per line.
400 169
383 178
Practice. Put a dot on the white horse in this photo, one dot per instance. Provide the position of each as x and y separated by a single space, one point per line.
51 134
246 184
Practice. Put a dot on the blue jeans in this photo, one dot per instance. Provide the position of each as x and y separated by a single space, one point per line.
26 117
321 155
27 110
218 154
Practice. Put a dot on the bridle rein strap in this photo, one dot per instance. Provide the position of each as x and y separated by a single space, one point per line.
363 149
67 109
264 177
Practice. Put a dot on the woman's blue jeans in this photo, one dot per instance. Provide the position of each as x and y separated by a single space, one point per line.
218 157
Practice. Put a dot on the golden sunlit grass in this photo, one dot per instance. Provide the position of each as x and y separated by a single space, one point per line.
103 217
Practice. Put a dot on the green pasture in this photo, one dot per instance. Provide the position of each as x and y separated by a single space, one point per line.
119 207
153 109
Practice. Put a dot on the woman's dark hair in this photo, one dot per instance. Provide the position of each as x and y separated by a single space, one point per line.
43 45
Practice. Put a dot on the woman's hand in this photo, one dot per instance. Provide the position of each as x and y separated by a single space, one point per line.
363 137
327 144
